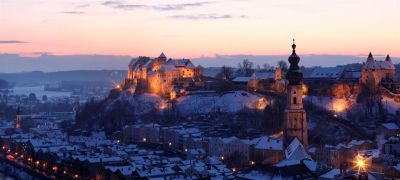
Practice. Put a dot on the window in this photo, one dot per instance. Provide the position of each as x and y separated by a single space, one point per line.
294 100
294 92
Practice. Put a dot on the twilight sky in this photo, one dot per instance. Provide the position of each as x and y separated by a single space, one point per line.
199 28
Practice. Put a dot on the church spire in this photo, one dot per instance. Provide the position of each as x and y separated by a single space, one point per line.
294 75
294 47
370 57
388 58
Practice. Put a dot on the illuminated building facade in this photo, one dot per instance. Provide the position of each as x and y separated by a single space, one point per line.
162 76
374 72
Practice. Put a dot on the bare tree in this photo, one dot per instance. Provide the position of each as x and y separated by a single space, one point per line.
245 68
226 72
283 65
266 67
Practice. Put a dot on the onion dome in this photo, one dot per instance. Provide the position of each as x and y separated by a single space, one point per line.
294 75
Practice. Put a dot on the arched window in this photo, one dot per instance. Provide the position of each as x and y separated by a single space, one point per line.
294 100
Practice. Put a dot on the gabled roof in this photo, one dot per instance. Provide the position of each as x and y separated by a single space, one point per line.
327 72
352 75
241 79
139 61
265 142
264 75
296 151
181 63
167 68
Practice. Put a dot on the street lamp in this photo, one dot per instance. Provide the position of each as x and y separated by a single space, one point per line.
360 163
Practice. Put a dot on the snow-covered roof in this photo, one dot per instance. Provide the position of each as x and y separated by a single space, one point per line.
390 126
374 64
181 63
330 174
352 75
379 65
125 170
241 79
229 139
264 75
167 68
327 72
265 143
296 151
253 174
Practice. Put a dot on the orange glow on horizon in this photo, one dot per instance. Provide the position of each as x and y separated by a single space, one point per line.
102 29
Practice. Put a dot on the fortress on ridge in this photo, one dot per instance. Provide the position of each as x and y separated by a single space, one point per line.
161 76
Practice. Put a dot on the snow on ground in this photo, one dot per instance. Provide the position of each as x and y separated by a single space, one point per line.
39 92
143 104
206 103
229 102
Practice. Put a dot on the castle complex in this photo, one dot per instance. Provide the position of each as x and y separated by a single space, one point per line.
162 76
295 121
374 72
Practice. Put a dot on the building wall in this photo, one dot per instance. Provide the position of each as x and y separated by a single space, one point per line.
185 72
295 116
377 75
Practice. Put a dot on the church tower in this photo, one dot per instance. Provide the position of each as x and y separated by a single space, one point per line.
295 122
18 118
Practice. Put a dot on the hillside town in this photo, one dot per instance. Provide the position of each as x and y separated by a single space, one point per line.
169 120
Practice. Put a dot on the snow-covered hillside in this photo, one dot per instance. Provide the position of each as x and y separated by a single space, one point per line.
229 102
205 103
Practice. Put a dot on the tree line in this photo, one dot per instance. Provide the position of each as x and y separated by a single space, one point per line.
246 68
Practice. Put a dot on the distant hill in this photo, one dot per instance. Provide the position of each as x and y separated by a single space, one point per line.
10 63
38 77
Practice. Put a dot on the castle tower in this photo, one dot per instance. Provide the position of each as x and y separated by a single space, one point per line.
388 58
295 122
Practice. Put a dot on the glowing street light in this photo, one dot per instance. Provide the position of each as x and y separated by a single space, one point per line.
144 139
360 163
55 168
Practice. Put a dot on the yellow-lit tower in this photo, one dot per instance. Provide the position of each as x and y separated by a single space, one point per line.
18 118
295 121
